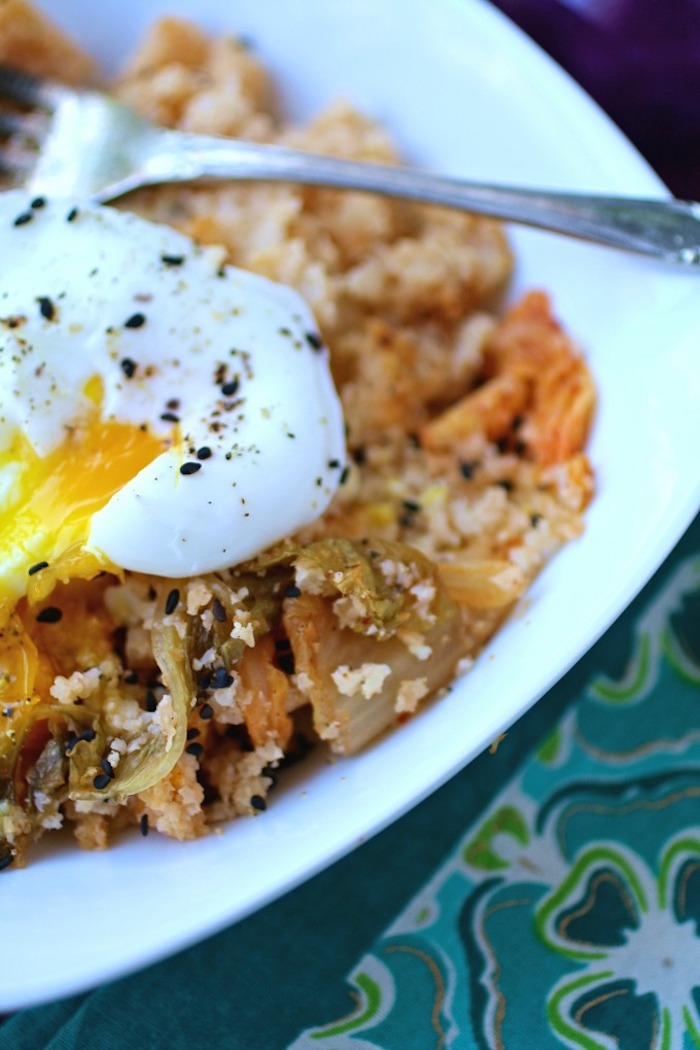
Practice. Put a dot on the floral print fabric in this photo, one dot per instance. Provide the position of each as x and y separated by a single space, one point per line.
569 914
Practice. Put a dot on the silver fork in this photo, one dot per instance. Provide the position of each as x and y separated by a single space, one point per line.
72 143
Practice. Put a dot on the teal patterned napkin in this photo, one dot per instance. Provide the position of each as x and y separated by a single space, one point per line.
568 914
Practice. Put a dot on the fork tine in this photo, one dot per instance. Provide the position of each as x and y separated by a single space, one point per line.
25 89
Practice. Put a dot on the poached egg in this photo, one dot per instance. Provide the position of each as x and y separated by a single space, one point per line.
159 411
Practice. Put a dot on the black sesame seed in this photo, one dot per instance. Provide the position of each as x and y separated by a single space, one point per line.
195 749
170 417
314 340
128 367
258 802
6 861
229 389
411 506
38 202
535 519
172 260
218 611
206 712
204 682
506 484
49 615
467 468
333 464
172 601
131 678
72 215
292 591
190 468
285 662
221 679
360 456
344 475
143 824
46 307
135 321
151 701
23 219
87 735
107 768
204 452
192 733
101 781
38 567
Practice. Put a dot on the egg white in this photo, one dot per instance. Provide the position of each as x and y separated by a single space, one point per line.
115 327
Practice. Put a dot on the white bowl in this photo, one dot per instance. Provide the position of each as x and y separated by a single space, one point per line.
463 92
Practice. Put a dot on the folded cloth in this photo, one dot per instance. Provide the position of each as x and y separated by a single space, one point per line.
568 913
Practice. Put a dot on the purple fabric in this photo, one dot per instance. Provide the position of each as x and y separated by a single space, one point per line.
640 60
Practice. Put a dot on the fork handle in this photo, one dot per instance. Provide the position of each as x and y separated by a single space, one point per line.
668 229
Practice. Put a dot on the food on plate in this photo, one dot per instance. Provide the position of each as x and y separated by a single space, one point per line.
204 564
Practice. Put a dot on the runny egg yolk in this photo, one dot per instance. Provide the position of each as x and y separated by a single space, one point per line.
47 520
52 498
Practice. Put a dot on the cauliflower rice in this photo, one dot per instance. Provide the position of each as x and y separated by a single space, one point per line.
466 472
